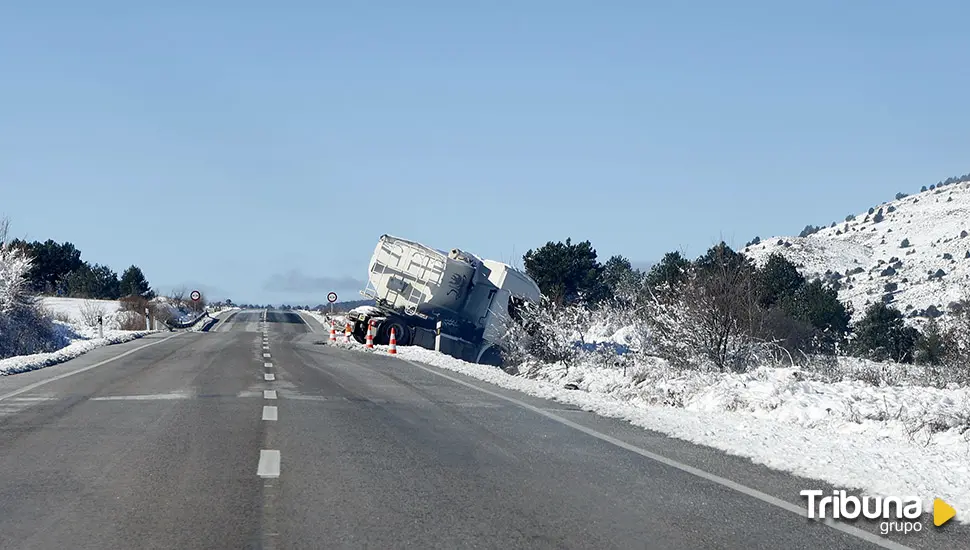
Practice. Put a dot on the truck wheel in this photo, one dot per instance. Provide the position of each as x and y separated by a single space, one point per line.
401 333
360 335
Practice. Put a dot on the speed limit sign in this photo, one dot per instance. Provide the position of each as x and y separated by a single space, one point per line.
196 295
332 297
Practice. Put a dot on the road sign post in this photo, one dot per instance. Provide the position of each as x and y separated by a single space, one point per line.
332 297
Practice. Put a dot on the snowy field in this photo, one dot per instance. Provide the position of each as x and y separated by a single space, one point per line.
75 311
891 440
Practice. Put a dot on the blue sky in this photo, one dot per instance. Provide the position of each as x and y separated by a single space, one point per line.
260 149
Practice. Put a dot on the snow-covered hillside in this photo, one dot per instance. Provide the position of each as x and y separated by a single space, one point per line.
913 252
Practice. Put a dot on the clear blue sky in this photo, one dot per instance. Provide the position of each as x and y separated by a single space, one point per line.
260 150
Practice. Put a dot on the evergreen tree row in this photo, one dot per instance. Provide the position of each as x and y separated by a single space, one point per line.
58 270
733 298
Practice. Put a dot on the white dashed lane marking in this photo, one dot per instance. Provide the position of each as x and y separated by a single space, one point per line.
269 377
269 464
270 413
269 394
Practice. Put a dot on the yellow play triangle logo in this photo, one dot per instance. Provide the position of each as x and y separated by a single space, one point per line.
942 512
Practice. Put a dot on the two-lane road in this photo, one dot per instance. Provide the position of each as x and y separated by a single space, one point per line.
259 435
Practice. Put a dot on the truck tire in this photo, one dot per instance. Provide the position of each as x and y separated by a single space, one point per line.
402 333
360 335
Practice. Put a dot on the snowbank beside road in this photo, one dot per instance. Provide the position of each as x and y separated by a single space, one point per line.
894 440
79 344
76 332
339 319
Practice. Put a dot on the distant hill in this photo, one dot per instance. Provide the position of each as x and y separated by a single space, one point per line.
912 252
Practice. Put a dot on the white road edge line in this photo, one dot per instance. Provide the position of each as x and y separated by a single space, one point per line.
308 325
27 388
724 482
270 412
269 394
269 377
269 464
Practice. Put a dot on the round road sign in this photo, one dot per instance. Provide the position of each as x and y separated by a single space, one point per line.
196 295
332 297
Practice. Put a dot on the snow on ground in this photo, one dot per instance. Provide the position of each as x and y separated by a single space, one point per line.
918 236
76 311
82 340
850 434
339 320
75 320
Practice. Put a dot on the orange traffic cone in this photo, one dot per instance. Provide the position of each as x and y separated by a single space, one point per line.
333 333
347 332
392 347
370 335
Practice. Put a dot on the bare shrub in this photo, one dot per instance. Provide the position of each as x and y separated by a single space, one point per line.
131 320
92 312
710 320
161 313
61 316
177 297
136 304
921 429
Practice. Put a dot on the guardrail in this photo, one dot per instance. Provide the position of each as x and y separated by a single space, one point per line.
188 324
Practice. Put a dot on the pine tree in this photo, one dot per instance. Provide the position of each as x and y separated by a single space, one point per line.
777 279
133 283
567 273
669 271
80 283
931 346
883 334
622 280
107 285
819 304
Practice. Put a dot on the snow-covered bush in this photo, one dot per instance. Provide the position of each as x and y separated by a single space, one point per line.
24 327
695 326
550 335
541 333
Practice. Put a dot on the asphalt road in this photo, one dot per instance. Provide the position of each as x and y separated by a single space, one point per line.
233 439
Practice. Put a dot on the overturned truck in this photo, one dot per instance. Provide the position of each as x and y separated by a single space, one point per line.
454 302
